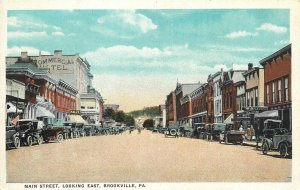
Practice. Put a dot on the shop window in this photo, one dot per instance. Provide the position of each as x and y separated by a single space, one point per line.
279 91
273 92
286 89
268 95
256 97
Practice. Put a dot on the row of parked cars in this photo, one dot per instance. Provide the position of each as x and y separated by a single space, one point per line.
32 131
273 138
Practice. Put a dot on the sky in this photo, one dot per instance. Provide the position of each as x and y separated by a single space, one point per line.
137 56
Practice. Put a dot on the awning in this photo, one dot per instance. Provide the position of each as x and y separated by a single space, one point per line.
270 113
229 119
11 108
77 119
43 112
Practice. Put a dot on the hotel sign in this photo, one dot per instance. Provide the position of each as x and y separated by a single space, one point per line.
55 64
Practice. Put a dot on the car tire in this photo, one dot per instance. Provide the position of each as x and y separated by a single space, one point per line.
265 148
173 132
59 137
40 140
29 141
17 142
283 150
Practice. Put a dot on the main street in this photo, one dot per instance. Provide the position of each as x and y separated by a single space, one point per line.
145 157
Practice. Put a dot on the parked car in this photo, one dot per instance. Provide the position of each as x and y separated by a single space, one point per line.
276 139
72 130
186 130
12 137
229 135
199 130
30 131
213 130
90 129
172 130
54 133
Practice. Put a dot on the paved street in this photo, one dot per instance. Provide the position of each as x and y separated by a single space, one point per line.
143 157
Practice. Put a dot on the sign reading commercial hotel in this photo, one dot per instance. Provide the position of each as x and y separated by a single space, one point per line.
55 64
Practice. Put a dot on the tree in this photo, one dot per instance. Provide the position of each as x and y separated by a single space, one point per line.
129 120
148 123
119 116
109 113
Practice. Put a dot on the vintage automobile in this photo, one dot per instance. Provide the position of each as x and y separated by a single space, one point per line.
186 130
172 130
229 135
213 130
12 137
199 130
72 130
54 133
276 139
30 131
90 129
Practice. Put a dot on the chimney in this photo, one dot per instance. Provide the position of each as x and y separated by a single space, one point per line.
24 55
250 66
58 52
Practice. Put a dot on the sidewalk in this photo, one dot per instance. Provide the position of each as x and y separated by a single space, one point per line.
251 143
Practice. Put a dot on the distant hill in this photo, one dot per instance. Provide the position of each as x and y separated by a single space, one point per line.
148 111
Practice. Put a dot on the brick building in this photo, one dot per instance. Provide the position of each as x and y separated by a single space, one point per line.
46 97
199 99
186 109
277 84
215 81
210 100
180 91
229 95
170 103
70 68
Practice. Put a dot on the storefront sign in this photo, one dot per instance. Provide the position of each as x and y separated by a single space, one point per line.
55 64
255 108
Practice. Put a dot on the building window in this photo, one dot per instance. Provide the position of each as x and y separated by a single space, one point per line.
279 91
256 97
273 92
286 89
268 95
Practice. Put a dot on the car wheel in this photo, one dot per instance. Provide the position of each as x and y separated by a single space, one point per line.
283 150
29 141
265 148
40 140
17 142
59 138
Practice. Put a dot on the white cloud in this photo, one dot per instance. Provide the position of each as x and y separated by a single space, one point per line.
130 70
240 34
13 21
175 59
282 42
216 47
272 28
124 24
29 22
58 34
19 34
16 51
